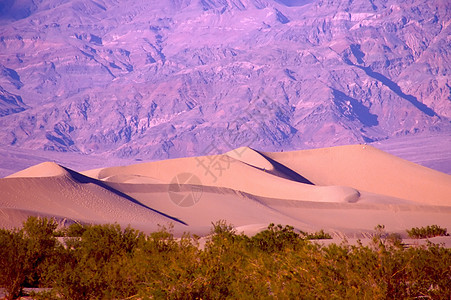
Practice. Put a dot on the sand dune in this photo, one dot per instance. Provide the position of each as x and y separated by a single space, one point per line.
65 193
45 169
252 174
344 190
366 168
13 218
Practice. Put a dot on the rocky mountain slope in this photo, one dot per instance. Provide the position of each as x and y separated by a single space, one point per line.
158 79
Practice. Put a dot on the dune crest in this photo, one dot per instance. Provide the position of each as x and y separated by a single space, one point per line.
251 174
369 169
251 157
45 169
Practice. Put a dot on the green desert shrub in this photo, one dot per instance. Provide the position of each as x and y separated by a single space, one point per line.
276 238
42 248
166 267
108 262
426 232
14 267
96 264
74 230
26 254
319 235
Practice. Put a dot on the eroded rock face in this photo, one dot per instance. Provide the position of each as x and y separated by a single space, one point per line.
159 79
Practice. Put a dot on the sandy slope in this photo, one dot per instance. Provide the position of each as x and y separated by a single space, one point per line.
344 190
64 193
366 168
255 175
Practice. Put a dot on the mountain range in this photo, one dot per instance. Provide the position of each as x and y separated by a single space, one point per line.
164 79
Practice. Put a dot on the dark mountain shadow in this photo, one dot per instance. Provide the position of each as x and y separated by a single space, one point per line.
397 90
10 103
292 3
290 74
285 170
16 10
11 75
358 110
393 86
85 179
359 55
281 17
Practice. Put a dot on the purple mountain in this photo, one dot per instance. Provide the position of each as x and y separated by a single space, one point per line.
158 79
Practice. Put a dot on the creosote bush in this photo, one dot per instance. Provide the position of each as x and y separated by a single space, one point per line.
426 232
108 262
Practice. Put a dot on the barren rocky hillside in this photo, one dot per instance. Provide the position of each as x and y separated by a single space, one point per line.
158 79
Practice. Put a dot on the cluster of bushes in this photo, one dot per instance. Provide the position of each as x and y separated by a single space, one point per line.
107 262
426 232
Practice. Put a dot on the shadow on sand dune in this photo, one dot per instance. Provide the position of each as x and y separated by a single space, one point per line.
85 179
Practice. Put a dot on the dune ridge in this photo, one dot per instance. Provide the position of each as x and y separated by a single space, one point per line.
369 169
66 193
229 172
345 190
45 169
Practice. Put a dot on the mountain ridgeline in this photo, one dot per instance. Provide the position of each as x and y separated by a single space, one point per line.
158 79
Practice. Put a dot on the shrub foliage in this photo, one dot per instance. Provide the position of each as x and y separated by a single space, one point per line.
108 262
427 232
